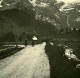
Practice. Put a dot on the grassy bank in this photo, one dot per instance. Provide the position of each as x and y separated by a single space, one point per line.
61 67
6 51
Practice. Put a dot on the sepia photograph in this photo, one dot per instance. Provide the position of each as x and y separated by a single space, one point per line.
39 38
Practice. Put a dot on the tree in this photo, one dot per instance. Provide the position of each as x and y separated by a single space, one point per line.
10 37
79 31
74 29
29 37
61 31
20 38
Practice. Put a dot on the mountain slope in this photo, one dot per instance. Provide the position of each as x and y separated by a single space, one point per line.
49 11
19 21
72 11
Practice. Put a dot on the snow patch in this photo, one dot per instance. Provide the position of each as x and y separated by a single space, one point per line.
66 7
0 3
78 19
51 43
70 55
41 4
33 2
7 4
78 66
56 15
44 18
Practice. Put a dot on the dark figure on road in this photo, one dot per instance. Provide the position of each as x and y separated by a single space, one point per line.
26 42
34 40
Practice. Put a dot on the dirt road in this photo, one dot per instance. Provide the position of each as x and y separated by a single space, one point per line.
31 62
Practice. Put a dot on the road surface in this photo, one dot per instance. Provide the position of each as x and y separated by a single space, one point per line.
31 62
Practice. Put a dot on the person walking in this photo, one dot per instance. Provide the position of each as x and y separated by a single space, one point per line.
34 40
26 42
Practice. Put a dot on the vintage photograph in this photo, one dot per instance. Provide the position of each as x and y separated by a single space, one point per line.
39 38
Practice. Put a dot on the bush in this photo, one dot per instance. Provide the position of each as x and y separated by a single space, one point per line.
10 37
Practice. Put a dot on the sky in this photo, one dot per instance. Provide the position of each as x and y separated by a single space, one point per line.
69 1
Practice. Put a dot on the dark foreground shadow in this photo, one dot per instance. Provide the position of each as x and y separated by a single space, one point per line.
59 66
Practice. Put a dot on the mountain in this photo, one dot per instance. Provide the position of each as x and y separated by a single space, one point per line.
72 11
59 14
19 21
21 16
41 15
33 6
